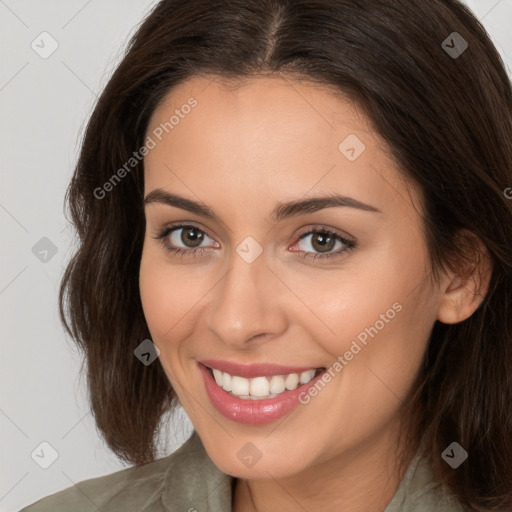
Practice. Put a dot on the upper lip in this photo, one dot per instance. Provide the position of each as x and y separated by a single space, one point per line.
254 370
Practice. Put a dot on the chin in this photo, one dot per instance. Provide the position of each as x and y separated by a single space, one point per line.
250 463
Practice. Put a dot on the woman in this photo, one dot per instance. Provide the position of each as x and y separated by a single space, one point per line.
294 221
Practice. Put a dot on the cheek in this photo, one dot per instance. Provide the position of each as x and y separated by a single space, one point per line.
377 316
168 294
156 295
167 301
341 305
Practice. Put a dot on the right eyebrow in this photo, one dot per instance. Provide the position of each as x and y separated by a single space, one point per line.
161 196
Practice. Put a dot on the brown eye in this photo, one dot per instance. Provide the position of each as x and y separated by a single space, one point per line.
191 236
186 240
320 242
323 242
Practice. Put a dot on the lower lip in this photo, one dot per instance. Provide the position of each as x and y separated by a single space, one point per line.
253 412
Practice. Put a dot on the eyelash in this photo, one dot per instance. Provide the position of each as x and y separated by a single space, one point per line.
349 244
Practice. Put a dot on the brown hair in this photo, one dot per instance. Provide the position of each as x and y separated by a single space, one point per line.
448 123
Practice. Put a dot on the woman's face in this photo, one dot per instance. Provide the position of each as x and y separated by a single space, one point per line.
259 285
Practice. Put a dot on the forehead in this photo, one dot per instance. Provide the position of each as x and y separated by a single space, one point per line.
265 134
269 99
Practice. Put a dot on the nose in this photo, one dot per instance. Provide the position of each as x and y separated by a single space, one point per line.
246 305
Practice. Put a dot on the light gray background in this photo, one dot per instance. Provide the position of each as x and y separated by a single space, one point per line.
44 105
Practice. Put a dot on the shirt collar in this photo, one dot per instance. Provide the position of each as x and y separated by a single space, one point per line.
192 481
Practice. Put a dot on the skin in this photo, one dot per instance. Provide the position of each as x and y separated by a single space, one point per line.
241 151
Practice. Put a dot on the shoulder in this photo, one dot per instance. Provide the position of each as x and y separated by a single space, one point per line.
95 493
420 492
149 487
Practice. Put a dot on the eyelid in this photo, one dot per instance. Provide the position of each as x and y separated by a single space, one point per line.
323 228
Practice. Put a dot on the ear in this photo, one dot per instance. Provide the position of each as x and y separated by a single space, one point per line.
464 289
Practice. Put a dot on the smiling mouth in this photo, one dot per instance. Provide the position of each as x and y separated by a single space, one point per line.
261 387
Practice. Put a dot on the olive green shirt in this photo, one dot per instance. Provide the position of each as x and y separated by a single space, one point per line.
188 481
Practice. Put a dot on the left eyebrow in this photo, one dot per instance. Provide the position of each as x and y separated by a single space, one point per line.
314 204
282 210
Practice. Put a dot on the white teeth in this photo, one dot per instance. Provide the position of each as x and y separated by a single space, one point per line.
218 376
277 384
226 381
239 386
261 387
291 381
306 376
